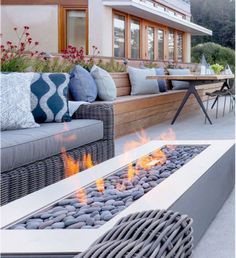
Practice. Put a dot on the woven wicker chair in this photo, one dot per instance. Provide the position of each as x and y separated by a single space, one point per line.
146 234
27 179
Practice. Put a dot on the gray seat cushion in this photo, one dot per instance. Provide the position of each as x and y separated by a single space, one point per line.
24 146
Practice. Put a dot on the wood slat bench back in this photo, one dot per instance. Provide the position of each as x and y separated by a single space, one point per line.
133 113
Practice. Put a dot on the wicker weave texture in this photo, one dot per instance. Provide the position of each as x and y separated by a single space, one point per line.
149 234
32 177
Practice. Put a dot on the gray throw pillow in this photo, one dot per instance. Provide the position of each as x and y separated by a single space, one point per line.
140 85
82 85
105 84
179 85
15 101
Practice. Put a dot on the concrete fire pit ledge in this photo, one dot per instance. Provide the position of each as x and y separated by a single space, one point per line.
197 189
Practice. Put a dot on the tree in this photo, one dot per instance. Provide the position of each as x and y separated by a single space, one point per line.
218 16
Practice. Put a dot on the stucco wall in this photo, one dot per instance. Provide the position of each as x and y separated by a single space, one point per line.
42 20
100 27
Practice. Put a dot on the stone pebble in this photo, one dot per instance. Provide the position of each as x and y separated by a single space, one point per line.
58 225
77 225
101 207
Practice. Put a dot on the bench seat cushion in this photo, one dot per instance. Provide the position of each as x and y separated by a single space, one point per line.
22 147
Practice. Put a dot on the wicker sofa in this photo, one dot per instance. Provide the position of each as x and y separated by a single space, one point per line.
31 158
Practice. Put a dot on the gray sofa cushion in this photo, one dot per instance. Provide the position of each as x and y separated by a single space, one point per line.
21 147
179 85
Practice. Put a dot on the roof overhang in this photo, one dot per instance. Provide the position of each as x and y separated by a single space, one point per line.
150 12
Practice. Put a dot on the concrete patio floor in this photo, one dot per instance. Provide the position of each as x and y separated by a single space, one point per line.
219 239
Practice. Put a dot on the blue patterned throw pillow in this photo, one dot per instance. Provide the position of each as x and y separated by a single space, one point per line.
49 101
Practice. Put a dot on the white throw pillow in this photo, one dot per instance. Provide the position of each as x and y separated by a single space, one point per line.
140 85
15 101
105 84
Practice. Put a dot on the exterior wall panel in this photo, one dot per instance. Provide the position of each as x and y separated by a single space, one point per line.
100 27
42 20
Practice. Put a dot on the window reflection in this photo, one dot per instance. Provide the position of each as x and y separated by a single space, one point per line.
119 36
135 39
150 31
160 36
76 28
171 43
180 47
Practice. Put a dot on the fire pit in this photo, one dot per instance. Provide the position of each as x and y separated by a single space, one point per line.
82 207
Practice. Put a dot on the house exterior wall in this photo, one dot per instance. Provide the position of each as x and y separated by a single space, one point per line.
45 23
42 20
100 27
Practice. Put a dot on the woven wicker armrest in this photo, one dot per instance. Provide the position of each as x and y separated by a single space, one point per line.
155 233
103 112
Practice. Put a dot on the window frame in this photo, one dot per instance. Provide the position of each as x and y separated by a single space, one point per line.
143 38
62 33
130 19
126 33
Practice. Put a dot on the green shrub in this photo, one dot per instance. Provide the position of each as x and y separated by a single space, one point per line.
52 65
214 53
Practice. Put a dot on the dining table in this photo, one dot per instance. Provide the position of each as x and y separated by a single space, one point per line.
193 82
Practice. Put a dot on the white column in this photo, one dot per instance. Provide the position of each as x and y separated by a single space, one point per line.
100 27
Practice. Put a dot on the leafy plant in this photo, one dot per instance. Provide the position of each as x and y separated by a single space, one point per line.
217 68
214 53
51 65
13 55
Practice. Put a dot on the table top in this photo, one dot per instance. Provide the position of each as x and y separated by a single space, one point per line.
192 77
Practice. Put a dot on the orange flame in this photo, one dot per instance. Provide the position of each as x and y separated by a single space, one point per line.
120 187
160 156
61 137
81 195
100 185
131 172
87 161
168 136
142 139
71 166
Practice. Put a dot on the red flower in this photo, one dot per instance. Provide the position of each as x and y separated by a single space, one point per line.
27 34
36 43
15 28
26 27
2 46
9 42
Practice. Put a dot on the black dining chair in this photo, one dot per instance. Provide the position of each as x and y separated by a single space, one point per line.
225 91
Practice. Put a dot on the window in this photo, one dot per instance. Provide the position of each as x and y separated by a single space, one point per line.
135 39
180 47
119 36
160 35
76 28
150 36
171 45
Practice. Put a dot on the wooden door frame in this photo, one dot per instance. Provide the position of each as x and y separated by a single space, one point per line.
62 25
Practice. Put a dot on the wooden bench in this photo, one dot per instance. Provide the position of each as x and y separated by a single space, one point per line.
132 113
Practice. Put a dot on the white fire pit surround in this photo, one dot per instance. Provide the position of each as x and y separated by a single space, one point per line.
197 189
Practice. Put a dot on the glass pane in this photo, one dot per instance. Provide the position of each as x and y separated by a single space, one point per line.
76 29
119 36
150 43
160 45
135 39
171 44
180 47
